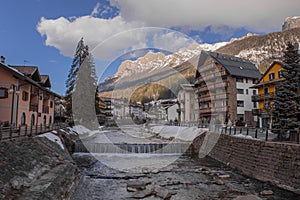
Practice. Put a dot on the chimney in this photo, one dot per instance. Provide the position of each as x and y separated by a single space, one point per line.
2 59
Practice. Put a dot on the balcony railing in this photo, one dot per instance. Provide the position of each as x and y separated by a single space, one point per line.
204 110
205 98
262 97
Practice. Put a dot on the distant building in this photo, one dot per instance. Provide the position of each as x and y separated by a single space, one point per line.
136 110
25 96
188 104
101 115
266 87
172 113
109 119
223 88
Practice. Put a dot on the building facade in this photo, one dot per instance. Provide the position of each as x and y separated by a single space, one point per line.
25 96
188 104
266 87
223 89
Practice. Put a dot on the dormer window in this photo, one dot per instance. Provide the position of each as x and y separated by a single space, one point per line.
280 74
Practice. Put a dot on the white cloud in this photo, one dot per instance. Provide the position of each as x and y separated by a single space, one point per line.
112 37
95 9
171 41
259 15
64 34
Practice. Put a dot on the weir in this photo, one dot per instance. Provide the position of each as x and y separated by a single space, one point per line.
126 148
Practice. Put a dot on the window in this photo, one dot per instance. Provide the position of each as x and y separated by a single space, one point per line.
23 119
240 103
247 91
280 74
239 79
51 104
271 76
266 91
3 93
246 80
254 92
50 120
24 96
254 105
240 91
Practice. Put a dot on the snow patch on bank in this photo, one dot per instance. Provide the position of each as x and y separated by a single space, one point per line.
177 132
52 137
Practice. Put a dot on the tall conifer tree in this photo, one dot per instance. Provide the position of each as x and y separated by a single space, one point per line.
79 57
287 101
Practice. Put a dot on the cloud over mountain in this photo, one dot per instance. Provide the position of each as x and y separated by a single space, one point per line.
123 30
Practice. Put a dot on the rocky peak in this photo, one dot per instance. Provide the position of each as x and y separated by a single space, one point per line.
291 22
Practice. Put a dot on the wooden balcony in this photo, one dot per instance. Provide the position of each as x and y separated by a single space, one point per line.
263 97
205 98
204 110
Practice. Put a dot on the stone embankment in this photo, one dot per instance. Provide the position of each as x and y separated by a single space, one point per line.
37 168
274 162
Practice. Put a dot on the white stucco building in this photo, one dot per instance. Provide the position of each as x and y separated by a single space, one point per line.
188 104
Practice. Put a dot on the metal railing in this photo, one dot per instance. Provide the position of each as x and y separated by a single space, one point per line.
263 134
22 131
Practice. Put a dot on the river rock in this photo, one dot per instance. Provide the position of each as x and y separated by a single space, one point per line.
248 197
134 186
219 182
266 192
224 176
162 193
142 194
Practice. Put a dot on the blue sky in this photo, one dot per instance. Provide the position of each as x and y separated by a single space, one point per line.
45 32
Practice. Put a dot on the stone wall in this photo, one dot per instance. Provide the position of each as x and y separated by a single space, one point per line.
278 163
36 168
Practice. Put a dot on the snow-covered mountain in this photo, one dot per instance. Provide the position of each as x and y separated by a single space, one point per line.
257 48
152 61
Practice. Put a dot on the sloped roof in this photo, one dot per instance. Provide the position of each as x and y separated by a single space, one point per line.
45 81
24 77
30 71
234 66
269 68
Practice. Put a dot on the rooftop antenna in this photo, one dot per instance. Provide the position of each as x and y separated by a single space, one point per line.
25 61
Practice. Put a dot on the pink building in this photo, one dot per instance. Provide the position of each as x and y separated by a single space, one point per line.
25 96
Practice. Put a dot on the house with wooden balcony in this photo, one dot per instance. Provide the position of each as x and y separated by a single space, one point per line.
266 87
25 96
223 88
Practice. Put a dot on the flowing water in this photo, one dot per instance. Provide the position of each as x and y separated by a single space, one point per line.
123 167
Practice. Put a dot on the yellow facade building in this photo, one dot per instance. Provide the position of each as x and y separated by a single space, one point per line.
266 87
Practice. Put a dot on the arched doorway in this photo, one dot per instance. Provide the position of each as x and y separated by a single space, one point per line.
32 121
44 120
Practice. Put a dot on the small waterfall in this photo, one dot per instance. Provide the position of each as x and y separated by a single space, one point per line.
125 148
